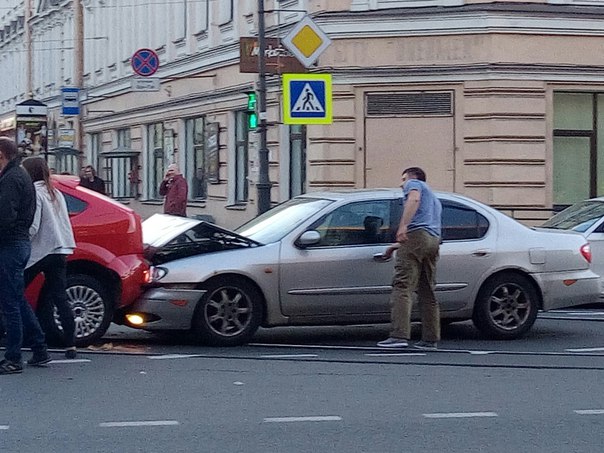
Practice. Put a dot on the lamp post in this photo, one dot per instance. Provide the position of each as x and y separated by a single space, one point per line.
264 184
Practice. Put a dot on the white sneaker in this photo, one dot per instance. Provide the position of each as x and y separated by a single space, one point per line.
393 343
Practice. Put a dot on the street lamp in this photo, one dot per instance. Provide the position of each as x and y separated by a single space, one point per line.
264 183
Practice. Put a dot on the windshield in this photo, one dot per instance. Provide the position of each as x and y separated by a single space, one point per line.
273 225
578 217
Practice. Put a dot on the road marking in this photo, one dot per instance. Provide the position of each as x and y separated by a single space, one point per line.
461 414
589 412
3 427
71 361
325 418
172 356
288 356
140 423
481 352
392 354
585 350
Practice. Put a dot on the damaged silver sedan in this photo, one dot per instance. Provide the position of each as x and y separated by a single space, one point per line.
314 260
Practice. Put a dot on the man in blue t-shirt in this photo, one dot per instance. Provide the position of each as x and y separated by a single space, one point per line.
417 245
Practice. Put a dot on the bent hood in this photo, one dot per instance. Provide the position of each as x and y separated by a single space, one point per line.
168 237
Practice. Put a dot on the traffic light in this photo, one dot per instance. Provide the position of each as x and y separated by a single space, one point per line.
252 114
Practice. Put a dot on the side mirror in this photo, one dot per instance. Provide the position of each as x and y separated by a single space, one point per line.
311 237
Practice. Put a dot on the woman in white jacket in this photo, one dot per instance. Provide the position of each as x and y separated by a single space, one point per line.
51 241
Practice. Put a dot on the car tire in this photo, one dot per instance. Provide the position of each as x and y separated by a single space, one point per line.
506 307
229 313
92 306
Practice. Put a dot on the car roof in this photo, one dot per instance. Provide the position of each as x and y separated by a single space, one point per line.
392 192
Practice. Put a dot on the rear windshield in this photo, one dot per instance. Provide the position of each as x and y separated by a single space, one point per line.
578 217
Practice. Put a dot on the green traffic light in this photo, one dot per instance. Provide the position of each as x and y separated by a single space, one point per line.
252 120
251 102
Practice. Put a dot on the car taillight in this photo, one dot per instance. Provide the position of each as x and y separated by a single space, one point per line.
586 252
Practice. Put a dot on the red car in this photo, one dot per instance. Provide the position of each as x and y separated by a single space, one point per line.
107 269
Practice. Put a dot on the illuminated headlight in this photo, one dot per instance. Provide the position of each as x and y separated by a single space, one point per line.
155 274
135 319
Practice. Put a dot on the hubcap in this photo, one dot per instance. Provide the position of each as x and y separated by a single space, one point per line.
228 311
509 306
88 310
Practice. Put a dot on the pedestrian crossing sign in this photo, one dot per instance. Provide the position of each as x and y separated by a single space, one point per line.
307 99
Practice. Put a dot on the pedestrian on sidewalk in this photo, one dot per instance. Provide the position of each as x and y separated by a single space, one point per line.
417 248
174 187
91 181
17 209
52 241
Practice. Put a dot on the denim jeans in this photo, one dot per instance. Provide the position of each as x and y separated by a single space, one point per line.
415 270
19 318
54 267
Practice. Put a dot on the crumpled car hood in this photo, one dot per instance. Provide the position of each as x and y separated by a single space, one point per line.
168 238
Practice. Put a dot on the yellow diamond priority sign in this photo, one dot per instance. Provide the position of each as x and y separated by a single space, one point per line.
306 41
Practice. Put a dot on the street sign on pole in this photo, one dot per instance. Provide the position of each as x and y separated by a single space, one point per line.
145 62
278 59
70 101
307 99
306 41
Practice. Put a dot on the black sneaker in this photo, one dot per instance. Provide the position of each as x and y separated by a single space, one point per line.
426 345
71 353
39 359
8 367
393 343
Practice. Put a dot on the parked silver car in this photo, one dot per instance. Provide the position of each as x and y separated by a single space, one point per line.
587 218
313 260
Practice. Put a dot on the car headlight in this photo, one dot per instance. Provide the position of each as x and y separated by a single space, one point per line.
155 274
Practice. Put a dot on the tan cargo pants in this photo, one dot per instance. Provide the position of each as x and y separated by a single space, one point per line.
415 270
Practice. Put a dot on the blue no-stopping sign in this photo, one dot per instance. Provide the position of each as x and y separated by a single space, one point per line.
145 62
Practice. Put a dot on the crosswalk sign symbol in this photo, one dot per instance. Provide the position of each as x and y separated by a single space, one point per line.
307 99
308 102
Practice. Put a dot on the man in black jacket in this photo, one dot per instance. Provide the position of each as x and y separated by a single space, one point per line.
91 181
17 208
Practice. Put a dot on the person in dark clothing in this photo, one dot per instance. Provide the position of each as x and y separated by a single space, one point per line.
17 208
91 181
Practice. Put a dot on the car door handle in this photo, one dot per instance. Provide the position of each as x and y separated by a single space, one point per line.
379 257
481 252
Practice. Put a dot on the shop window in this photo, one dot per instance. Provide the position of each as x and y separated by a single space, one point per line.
241 157
156 160
578 160
194 158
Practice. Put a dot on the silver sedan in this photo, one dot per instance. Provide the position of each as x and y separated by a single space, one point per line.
314 260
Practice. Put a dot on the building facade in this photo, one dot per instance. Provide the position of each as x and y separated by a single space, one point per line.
501 101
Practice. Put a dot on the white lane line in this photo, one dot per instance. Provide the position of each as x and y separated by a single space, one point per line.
589 412
325 418
392 354
288 356
139 423
172 356
71 361
461 414
585 350
3 427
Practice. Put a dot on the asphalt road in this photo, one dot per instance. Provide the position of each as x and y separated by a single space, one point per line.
317 390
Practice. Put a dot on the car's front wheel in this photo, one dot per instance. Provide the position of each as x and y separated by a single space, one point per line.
92 308
229 313
506 307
